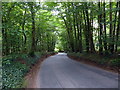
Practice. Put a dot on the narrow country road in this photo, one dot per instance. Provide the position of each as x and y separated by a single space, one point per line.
59 71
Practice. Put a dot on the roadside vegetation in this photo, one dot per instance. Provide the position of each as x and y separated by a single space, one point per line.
92 31
28 34
111 63
16 67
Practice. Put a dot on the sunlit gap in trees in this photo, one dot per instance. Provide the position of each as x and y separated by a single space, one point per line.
58 44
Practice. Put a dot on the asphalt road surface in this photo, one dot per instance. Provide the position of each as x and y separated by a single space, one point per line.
59 71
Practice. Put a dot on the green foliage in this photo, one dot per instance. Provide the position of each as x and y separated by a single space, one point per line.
102 60
72 27
115 62
14 70
17 28
13 73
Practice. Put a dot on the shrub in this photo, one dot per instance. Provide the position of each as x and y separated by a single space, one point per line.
115 62
13 74
103 60
13 70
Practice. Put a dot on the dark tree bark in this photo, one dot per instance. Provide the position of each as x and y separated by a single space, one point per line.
118 30
88 25
24 35
79 31
69 34
114 28
86 33
33 28
100 30
23 28
111 27
74 26
105 37
92 46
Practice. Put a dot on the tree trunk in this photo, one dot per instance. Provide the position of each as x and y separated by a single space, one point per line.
118 30
69 34
33 28
24 35
79 31
86 34
92 46
110 33
75 35
114 28
105 37
100 31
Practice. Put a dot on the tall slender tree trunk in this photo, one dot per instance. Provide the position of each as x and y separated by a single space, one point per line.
100 30
33 28
69 34
79 31
118 30
111 27
23 29
114 28
75 34
92 46
86 33
105 37
88 25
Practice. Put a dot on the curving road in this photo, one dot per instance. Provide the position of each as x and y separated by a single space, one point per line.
59 71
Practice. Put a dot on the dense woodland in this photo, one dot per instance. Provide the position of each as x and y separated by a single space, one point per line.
79 27
92 27
27 28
